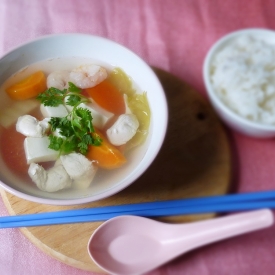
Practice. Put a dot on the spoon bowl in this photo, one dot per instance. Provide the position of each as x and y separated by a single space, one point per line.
132 245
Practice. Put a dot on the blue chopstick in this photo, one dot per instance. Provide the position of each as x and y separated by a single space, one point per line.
253 196
225 203
231 198
171 211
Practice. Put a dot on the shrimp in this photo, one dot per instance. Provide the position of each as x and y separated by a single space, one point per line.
58 79
88 75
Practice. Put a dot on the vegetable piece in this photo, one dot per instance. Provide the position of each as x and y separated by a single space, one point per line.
10 113
121 81
106 155
28 87
108 97
138 104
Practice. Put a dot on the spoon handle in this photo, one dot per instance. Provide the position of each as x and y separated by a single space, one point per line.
205 232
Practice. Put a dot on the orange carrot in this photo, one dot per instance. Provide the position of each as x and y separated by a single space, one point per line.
28 87
106 155
108 97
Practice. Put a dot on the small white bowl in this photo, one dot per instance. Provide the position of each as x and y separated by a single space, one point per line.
108 52
230 117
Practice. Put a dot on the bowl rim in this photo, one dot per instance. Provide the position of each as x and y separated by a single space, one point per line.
116 188
209 87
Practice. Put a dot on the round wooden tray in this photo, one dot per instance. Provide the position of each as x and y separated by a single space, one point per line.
194 161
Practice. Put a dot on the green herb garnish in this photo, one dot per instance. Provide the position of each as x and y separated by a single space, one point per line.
76 128
54 97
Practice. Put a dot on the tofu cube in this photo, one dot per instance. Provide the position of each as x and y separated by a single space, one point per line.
36 150
48 111
100 116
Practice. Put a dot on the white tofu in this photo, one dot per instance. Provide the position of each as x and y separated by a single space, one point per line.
80 169
123 129
29 126
36 150
100 116
52 180
48 111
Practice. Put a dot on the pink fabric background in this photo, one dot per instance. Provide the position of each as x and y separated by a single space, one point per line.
175 36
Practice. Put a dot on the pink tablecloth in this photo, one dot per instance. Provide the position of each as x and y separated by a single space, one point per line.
175 36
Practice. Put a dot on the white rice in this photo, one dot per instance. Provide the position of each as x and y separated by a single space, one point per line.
243 75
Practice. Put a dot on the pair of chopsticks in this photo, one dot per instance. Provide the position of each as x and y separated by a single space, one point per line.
216 204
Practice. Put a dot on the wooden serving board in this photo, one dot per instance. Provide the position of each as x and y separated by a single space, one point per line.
194 161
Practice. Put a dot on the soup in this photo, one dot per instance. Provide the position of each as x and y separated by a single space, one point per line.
113 102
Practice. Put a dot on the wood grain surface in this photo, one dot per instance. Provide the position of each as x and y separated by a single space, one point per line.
194 161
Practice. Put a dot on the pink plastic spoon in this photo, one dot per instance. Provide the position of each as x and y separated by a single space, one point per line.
132 245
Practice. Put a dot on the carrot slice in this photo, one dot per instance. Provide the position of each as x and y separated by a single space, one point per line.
28 87
108 97
106 155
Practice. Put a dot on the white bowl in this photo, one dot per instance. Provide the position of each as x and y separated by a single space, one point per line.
230 117
103 50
